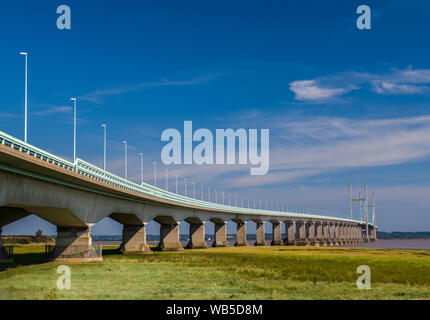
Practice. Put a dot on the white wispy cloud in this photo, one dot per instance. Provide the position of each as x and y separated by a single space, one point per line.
394 82
309 90
97 96
45 110
306 148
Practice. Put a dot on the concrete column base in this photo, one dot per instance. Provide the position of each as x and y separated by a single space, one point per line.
260 243
197 237
323 243
276 243
302 242
276 234
289 242
220 235
260 234
241 235
315 243
241 244
290 237
74 244
169 238
329 243
134 240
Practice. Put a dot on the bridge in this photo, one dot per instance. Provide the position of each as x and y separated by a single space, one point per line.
75 196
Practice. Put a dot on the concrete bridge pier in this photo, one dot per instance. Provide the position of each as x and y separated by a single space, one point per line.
348 234
133 233
372 232
332 234
220 234
197 234
134 239
241 233
301 234
74 244
276 233
326 234
260 234
290 238
344 233
169 234
351 234
338 233
319 239
357 233
312 241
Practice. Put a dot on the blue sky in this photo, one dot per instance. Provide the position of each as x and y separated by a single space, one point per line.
343 105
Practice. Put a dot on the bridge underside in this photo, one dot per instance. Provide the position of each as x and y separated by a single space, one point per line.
75 210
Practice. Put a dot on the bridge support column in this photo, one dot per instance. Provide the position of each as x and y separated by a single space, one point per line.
290 238
356 234
337 234
4 256
197 236
373 234
349 234
276 234
74 244
169 238
220 235
319 234
311 234
261 235
241 234
134 239
301 234
343 234
332 235
326 234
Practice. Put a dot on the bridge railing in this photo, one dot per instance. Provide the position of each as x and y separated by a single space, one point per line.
92 171
34 151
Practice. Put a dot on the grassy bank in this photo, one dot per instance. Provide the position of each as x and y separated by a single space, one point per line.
224 273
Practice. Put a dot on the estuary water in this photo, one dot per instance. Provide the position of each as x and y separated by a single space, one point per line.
380 244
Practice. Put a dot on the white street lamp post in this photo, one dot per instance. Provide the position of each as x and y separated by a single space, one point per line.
141 168
194 189
155 173
125 159
104 147
74 128
26 94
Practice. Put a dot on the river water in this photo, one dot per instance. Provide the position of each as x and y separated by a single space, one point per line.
380 244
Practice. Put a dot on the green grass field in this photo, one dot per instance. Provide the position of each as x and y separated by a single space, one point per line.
224 273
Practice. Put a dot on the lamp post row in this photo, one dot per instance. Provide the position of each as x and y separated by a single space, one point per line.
25 54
